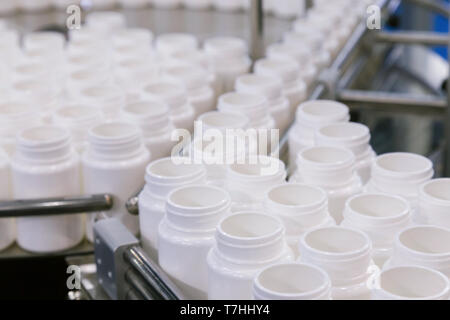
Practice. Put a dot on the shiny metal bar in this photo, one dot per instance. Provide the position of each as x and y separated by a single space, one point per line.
447 118
132 204
56 206
438 6
393 99
257 29
139 287
413 37
152 274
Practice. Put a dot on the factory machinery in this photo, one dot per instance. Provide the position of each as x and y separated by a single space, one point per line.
380 74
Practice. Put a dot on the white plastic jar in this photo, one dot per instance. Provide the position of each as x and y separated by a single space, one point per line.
152 117
253 106
161 177
182 114
228 6
288 9
427 246
332 169
105 22
249 182
411 283
14 117
311 116
77 119
434 202
166 4
289 72
381 217
44 166
197 4
345 255
114 162
186 234
300 207
195 79
109 99
292 281
7 225
80 79
351 135
272 89
401 174
228 58
132 42
245 243
169 43
222 121
301 55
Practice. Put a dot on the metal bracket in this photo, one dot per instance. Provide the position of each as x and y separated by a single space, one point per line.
111 239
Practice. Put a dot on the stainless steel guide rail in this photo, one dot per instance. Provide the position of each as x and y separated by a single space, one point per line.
123 268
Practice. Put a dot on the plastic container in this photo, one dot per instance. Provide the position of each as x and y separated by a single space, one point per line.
246 243
186 234
109 99
272 89
351 135
288 9
401 174
289 72
434 202
182 114
152 117
249 182
381 217
222 121
77 119
169 43
311 116
345 255
228 58
161 177
332 169
197 4
411 283
14 117
114 162
7 225
105 22
195 79
427 246
132 42
228 6
300 207
44 166
292 281
166 4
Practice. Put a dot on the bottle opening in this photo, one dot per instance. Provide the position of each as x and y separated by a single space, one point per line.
217 119
198 197
324 108
438 189
258 167
336 240
250 226
404 163
378 206
292 279
44 134
114 131
146 108
413 282
242 99
76 112
347 130
426 240
166 168
297 195
327 155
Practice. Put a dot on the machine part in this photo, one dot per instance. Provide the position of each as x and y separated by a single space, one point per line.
257 29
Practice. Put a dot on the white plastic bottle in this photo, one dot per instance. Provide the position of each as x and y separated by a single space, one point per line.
427 246
287 9
169 43
300 207
229 6
161 177
222 121
381 217
114 162
411 283
292 281
152 117
401 174
310 117
434 202
109 99
196 81
105 22
332 169
14 117
272 89
345 255
289 72
186 234
7 225
228 58
249 182
44 166
78 119
182 113
351 135
132 42
245 243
